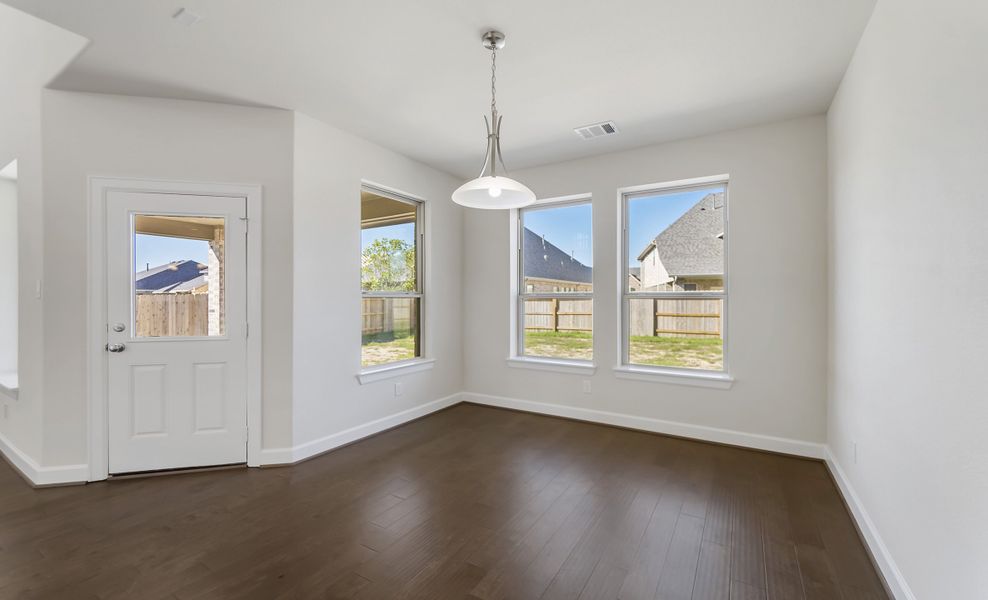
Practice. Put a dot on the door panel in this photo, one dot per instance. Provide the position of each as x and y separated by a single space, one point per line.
147 399
177 311
210 396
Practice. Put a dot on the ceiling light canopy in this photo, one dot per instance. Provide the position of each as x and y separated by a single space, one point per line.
490 190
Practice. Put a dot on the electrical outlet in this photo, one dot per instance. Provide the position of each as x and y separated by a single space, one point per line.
398 389
586 386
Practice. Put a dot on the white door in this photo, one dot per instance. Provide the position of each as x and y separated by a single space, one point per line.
176 330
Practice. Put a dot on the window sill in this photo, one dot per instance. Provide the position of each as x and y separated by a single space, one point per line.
8 384
706 379
572 367
395 370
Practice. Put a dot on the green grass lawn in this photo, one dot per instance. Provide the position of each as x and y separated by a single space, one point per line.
695 352
382 348
559 344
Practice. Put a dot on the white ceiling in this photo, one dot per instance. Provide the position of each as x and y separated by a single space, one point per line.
412 76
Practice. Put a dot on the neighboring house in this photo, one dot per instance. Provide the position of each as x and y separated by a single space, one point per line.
689 254
179 276
634 279
549 269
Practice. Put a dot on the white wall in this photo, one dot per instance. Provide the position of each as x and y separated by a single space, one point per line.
329 167
32 52
120 136
8 275
909 281
778 292
311 174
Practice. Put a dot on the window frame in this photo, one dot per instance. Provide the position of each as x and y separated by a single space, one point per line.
370 373
519 292
625 368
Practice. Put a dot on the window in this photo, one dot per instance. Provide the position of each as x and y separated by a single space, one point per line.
179 276
390 278
555 267
674 258
8 279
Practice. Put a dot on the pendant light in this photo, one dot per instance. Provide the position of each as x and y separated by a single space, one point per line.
491 190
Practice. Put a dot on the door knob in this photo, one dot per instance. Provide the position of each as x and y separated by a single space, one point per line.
115 347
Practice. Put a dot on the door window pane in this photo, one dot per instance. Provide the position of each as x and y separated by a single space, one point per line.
179 278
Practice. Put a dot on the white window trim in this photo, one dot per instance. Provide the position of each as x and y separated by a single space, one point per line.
516 358
423 361
693 377
571 367
8 384
395 369
697 377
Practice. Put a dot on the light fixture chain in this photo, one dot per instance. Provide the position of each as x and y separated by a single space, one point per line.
494 82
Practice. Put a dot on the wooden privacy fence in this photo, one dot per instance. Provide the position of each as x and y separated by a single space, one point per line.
379 315
170 315
675 317
558 314
664 317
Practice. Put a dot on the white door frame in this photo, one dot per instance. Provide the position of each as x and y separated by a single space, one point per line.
99 455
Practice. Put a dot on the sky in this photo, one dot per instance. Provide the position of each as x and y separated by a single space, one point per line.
158 250
404 232
566 227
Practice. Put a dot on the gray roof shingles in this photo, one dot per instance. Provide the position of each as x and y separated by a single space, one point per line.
693 245
187 286
168 276
544 260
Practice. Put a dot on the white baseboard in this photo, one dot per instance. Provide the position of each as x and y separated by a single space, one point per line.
893 576
283 456
275 456
38 475
686 430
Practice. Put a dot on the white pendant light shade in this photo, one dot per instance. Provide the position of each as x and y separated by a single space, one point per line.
493 192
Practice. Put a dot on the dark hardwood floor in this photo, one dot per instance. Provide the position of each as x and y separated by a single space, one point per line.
472 502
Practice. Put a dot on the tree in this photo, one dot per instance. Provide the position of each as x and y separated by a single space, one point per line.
388 265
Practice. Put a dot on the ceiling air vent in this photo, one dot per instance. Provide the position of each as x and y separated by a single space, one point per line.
596 130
